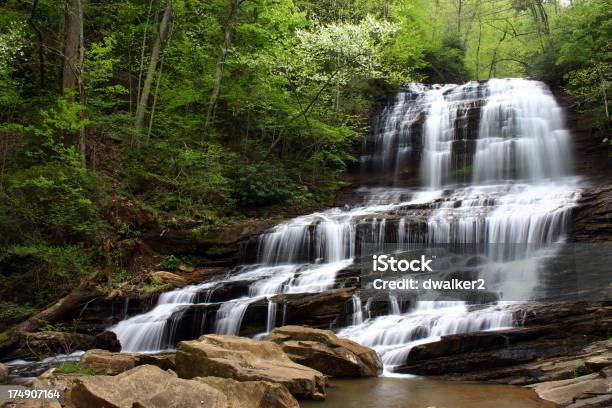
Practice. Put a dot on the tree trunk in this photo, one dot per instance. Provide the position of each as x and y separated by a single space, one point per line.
602 84
81 82
62 308
41 55
71 45
459 9
227 38
478 49
146 88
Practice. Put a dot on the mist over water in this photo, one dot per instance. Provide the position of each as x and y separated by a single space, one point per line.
493 165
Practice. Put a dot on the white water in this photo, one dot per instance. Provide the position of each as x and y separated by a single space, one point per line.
520 191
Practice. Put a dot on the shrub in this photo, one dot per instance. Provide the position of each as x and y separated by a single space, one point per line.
260 184
40 274
49 202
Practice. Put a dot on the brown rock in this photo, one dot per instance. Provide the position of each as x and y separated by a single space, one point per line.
169 277
3 373
577 392
32 404
114 363
108 362
252 394
326 352
107 340
244 359
147 387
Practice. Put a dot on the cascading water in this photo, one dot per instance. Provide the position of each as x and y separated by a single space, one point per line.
495 167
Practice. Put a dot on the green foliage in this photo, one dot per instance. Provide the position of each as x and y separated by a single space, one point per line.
75 367
127 231
38 274
12 313
446 64
261 184
580 370
170 263
49 202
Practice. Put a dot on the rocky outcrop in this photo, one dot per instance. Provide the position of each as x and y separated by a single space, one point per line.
144 386
557 342
151 387
222 244
252 394
319 310
592 217
587 391
323 351
114 363
245 359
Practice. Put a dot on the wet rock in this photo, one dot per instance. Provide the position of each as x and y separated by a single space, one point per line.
252 394
147 387
559 342
593 390
107 340
326 352
3 373
592 217
320 310
244 359
115 363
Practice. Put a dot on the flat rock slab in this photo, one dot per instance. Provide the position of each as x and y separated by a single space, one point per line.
588 390
244 359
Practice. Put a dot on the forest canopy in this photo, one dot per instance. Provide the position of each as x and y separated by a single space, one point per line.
197 113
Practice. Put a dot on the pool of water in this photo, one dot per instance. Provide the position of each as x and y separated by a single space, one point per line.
385 392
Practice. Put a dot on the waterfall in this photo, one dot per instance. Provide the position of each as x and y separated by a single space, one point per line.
357 310
271 322
494 167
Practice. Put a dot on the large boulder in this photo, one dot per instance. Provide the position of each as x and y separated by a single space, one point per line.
326 352
252 394
147 387
114 363
244 359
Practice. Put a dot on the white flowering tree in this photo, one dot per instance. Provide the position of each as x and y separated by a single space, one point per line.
337 55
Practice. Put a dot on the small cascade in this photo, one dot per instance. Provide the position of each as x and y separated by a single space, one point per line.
155 330
357 310
393 336
493 164
271 322
394 307
230 314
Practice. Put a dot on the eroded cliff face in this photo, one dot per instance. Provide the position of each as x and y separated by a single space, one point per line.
592 218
